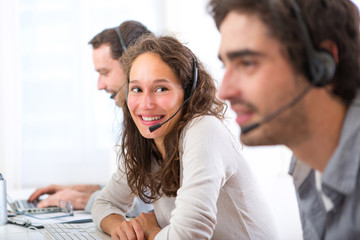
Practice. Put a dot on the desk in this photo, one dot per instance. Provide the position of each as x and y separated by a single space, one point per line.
15 232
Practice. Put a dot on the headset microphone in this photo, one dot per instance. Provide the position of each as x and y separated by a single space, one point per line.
251 127
187 98
113 95
153 128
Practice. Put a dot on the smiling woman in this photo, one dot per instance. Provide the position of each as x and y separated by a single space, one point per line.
190 168
153 100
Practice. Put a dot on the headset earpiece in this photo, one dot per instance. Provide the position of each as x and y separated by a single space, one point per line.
190 92
321 63
323 68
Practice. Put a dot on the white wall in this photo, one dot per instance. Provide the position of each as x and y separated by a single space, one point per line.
10 94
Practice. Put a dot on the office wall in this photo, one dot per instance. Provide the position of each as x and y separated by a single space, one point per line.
10 94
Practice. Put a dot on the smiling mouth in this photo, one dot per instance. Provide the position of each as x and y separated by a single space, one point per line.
150 119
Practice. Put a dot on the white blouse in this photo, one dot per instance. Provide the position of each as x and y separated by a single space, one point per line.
218 196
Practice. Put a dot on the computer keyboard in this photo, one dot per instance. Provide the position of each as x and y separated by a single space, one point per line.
63 231
24 204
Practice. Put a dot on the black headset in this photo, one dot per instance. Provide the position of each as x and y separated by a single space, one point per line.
122 42
321 63
123 46
190 92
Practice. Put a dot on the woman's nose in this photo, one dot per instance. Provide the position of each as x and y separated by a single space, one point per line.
147 101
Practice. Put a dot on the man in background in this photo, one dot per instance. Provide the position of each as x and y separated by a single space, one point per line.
293 77
108 46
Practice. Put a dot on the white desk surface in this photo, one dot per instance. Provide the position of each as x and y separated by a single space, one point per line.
11 231
15 232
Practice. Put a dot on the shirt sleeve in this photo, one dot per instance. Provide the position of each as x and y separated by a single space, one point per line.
115 198
91 201
205 150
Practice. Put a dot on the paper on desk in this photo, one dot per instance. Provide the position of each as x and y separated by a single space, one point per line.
79 216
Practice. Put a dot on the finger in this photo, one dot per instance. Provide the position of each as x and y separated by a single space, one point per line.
138 230
41 191
47 202
128 230
116 236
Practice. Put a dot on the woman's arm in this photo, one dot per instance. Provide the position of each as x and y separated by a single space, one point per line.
115 198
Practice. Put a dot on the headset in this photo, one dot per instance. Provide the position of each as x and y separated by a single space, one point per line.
122 42
321 66
188 95
321 63
124 47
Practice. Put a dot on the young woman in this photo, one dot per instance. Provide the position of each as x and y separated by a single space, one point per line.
190 167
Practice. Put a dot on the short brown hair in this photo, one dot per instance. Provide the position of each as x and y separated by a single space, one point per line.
335 20
130 30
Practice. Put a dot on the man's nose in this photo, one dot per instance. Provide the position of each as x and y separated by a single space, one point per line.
229 86
101 83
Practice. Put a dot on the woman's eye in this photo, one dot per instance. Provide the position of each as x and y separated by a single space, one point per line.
161 89
135 90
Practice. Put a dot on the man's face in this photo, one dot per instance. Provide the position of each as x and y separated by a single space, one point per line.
259 80
111 75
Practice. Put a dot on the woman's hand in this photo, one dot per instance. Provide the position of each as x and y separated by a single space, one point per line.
128 230
149 225
142 227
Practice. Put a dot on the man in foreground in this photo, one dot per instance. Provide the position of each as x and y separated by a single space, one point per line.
292 77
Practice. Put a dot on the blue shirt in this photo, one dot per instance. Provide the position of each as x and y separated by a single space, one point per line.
340 182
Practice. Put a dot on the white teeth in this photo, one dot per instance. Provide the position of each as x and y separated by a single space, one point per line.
148 119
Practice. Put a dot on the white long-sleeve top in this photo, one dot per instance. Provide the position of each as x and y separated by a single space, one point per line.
218 196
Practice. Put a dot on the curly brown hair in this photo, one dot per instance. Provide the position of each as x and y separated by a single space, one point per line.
137 152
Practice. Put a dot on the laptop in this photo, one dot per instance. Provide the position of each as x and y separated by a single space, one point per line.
25 207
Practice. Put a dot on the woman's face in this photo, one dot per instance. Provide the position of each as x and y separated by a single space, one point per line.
155 94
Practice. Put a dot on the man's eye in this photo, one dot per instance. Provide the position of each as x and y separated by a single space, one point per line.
248 63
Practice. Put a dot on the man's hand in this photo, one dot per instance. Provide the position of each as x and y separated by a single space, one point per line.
77 194
78 199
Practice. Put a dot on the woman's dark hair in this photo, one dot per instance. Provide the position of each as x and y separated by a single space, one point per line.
334 20
139 153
